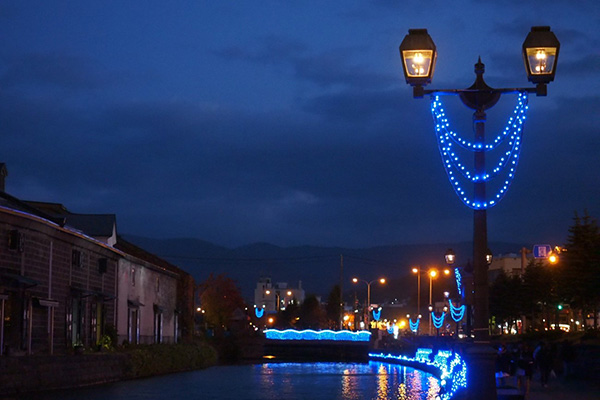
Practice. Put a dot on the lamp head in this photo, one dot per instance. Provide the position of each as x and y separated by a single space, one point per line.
450 256
418 53
540 53
489 257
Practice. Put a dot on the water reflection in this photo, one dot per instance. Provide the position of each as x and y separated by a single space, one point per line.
271 381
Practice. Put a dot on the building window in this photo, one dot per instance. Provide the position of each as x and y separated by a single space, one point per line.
157 285
77 259
133 325
176 327
102 265
15 241
158 324
132 276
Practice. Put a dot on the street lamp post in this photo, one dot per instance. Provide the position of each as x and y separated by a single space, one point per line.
380 280
540 54
417 270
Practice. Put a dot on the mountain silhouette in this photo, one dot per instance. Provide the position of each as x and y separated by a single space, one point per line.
317 269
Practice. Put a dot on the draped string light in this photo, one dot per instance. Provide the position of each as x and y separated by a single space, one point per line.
457 313
507 162
414 326
259 312
438 321
377 314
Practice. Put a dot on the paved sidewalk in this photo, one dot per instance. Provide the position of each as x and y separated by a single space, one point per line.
564 390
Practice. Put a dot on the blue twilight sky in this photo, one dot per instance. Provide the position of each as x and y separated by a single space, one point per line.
288 122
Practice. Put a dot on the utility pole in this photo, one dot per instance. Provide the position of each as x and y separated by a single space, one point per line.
341 291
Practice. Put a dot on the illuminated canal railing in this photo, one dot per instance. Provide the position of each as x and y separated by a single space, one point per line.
309 334
448 366
452 368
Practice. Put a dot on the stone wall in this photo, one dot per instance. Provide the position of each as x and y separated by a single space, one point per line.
36 373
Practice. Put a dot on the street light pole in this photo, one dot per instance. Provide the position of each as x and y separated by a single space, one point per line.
432 274
380 280
417 270
419 54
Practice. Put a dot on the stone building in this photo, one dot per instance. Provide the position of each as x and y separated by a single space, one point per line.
57 284
68 279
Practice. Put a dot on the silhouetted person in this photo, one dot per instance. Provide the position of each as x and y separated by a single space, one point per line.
544 361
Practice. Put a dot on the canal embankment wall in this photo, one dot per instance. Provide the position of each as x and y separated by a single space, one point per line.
44 372
35 373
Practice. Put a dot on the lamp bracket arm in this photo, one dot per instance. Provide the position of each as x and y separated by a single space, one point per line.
442 92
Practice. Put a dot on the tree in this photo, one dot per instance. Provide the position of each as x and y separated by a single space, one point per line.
312 315
287 318
505 295
539 290
579 269
219 298
334 307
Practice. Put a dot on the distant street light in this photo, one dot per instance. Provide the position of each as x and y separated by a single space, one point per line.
432 274
380 280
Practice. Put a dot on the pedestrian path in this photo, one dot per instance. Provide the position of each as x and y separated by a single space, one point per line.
563 390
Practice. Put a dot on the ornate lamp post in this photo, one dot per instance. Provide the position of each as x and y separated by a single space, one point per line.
540 53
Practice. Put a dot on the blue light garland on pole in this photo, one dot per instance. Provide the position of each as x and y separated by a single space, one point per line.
377 314
457 313
455 168
414 326
438 321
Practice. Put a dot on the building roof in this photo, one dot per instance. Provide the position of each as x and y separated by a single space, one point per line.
95 225
138 252
8 201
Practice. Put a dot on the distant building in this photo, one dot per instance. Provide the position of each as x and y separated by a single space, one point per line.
274 297
512 264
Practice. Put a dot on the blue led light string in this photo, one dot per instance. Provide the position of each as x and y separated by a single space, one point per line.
442 124
309 334
458 276
259 312
377 314
507 161
438 321
457 313
453 369
414 326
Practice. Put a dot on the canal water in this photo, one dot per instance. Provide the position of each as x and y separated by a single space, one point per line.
271 381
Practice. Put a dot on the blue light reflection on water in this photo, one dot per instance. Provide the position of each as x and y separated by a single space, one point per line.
272 381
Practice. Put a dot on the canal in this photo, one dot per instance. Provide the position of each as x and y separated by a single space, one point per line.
271 381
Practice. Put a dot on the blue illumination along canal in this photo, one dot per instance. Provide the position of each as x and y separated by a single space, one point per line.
272 381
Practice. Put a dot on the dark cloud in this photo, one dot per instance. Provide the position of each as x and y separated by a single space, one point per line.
290 140
334 67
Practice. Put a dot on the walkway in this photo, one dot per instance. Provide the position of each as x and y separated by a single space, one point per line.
567 390
563 390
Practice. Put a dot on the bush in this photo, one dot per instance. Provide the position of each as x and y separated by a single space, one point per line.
158 359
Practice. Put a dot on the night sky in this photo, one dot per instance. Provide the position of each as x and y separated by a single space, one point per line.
288 122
